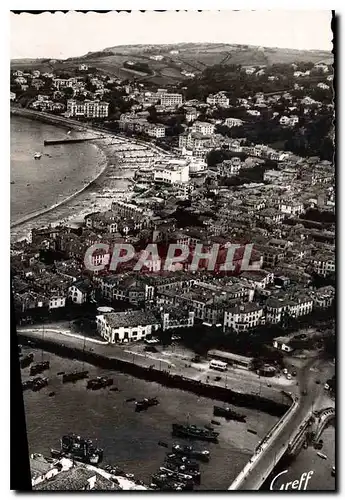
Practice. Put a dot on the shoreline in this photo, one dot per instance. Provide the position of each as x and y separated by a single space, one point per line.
56 121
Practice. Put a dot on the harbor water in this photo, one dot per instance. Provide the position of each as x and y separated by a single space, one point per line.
130 439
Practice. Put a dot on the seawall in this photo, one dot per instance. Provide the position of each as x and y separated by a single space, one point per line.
162 377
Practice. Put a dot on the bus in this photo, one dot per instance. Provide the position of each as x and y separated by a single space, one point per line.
218 365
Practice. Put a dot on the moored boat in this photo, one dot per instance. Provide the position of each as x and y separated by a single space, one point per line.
194 432
145 404
322 455
37 155
189 451
39 367
74 376
99 383
228 413
39 383
81 449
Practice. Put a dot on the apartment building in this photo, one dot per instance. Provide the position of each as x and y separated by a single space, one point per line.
323 264
154 130
291 207
203 128
168 99
87 109
243 317
219 99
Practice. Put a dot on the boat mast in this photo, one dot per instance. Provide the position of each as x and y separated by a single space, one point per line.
83 354
42 342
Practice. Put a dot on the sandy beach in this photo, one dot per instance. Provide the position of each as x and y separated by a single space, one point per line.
109 183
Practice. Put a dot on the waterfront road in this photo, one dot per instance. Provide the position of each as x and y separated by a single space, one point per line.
310 395
243 383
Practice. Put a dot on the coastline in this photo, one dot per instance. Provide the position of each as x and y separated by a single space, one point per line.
70 124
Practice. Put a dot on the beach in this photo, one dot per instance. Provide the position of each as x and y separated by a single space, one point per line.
76 188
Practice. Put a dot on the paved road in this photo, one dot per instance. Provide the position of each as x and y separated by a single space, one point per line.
306 404
237 382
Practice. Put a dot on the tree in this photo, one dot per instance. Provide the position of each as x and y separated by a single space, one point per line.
68 92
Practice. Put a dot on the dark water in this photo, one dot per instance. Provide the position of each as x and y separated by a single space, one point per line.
131 439
308 460
50 179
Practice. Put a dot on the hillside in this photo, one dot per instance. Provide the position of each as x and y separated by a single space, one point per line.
192 58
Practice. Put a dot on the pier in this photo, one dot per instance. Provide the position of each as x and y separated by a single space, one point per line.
51 142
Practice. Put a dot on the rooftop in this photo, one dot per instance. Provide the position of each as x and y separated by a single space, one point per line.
130 319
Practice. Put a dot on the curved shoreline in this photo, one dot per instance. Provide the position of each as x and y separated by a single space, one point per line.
44 211
57 121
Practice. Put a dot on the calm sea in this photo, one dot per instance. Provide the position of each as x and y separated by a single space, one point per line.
130 439
61 171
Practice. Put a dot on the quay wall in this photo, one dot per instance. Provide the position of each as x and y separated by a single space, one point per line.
162 377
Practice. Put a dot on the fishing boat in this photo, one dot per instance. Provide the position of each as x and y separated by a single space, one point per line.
322 455
145 404
189 451
333 471
194 432
228 413
161 443
37 155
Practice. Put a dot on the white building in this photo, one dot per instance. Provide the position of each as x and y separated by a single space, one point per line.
168 99
233 122
126 326
203 128
12 96
290 121
171 171
230 167
219 99
291 207
242 318
79 292
154 130
191 114
88 109
60 83
83 67
323 264
57 301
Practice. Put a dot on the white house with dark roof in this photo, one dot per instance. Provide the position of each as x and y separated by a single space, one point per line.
126 326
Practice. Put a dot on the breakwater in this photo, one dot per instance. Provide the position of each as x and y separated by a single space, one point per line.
162 377
51 142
